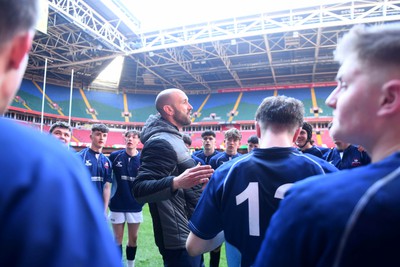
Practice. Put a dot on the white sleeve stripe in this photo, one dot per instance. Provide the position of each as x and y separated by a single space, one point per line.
316 163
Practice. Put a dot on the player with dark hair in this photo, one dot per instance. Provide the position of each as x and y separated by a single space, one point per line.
62 131
352 217
188 142
244 193
48 208
98 164
252 142
305 142
209 145
208 151
123 206
232 142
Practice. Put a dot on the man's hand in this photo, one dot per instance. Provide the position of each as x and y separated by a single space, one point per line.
199 174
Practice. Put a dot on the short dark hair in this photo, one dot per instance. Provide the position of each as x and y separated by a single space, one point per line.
280 111
134 132
186 139
208 133
16 16
60 124
100 127
253 139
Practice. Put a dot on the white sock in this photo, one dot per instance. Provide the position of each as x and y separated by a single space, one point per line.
131 263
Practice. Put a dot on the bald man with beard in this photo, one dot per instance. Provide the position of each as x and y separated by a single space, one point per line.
168 178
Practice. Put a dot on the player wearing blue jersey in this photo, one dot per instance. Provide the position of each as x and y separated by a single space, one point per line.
48 212
123 206
232 142
306 144
188 142
252 142
352 217
208 151
242 194
98 164
347 156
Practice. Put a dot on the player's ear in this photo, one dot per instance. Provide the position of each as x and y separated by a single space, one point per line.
258 130
390 99
20 46
296 134
168 109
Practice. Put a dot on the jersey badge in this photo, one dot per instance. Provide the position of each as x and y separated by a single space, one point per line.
356 163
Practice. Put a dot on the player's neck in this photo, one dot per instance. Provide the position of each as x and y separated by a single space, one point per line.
131 151
208 152
96 149
270 139
342 146
307 146
231 152
380 152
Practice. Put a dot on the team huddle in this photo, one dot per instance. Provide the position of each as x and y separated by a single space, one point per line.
287 202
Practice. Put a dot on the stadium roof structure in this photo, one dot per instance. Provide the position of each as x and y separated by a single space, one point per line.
262 50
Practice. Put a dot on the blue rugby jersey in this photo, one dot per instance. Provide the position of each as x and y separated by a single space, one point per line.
125 169
348 218
317 151
221 158
48 208
352 158
200 154
100 169
243 194
198 160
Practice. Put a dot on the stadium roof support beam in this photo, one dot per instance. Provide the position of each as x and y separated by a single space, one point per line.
39 48
178 57
82 62
269 55
316 53
177 85
58 44
225 59
89 20
123 14
327 15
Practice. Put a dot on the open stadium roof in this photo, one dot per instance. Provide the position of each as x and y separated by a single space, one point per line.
292 46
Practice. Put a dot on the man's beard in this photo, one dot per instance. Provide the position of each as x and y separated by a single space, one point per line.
182 119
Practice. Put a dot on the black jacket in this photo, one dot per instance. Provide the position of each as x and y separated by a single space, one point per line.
163 157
